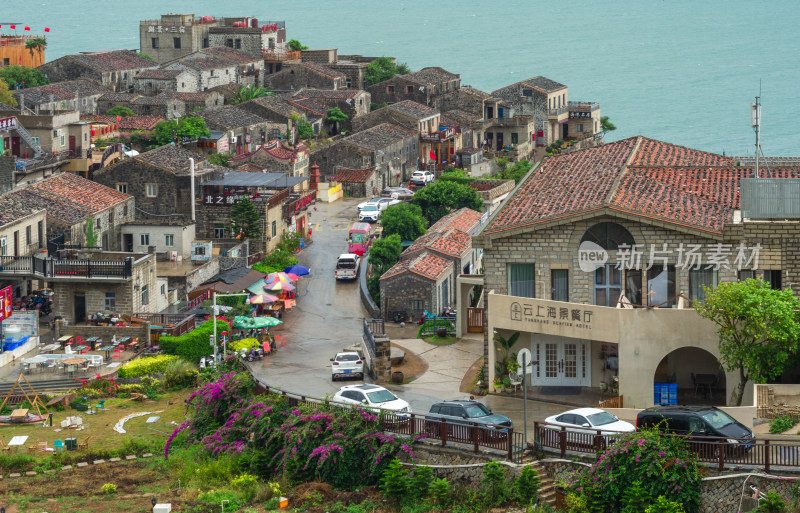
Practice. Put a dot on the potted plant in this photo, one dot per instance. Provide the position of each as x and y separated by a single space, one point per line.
498 384
506 384
513 364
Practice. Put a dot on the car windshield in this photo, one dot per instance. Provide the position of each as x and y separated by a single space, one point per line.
346 264
347 358
718 419
381 396
477 410
358 237
601 419
370 207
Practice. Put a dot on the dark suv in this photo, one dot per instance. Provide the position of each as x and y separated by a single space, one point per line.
697 422
466 413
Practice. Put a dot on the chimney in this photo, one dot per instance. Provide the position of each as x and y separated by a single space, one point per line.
314 177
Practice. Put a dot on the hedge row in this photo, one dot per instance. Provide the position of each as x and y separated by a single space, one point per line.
146 365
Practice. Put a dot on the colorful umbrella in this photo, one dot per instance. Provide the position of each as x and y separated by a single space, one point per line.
260 299
284 277
297 270
279 285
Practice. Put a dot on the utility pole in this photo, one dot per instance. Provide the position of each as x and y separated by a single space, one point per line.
755 121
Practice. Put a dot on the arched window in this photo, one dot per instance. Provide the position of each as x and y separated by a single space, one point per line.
608 236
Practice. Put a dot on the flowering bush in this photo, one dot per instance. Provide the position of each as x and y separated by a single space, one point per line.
245 343
145 365
663 465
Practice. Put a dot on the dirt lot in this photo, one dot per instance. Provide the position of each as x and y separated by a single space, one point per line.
412 367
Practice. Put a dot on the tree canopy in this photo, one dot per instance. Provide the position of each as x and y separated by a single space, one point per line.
296 45
251 92
5 95
335 115
606 125
405 220
120 110
304 128
16 76
384 253
384 68
187 127
219 159
515 171
441 197
757 326
244 219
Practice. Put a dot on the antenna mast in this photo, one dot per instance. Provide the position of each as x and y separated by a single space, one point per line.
755 121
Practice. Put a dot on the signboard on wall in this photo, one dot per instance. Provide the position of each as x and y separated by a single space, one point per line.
8 123
6 303
201 251
222 145
23 324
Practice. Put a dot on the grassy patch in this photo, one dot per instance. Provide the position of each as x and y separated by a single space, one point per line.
440 341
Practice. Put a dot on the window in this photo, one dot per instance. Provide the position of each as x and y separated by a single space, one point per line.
633 286
446 292
97 223
154 42
349 83
176 42
409 89
110 303
163 289
111 218
229 43
747 275
527 92
417 305
63 140
514 138
608 236
274 228
28 234
661 286
212 72
169 240
151 190
6 61
238 44
3 246
144 239
607 285
125 211
773 277
522 280
559 282
390 89
580 128
219 231
205 42
36 141
145 295
699 278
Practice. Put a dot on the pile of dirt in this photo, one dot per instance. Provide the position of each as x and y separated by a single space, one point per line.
412 367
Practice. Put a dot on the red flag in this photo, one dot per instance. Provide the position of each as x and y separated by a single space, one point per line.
14 27
47 29
433 155
27 27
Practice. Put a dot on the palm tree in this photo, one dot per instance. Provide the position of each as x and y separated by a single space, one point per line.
38 44
251 92
504 345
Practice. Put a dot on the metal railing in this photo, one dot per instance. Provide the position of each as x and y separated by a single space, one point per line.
59 268
194 303
429 427
557 111
369 336
300 203
721 452
590 106
173 325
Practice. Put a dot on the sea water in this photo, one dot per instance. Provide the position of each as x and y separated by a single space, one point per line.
683 71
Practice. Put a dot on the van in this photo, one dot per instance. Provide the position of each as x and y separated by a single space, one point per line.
347 266
696 421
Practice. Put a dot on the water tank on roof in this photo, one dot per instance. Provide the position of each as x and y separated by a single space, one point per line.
239 24
207 19
254 23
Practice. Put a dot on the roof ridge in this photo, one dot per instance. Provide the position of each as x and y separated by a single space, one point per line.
623 171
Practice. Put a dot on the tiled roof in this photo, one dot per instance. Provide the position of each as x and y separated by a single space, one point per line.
120 60
13 209
413 109
539 83
432 75
60 91
426 265
279 151
118 97
275 149
639 176
229 117
275 104
354 175
200 96
461 117
322 70
69 198
126 123
153 100
453 243
474 92
340 94
160 74
464 219
309 106
449 235
250 168
171 157
380 136
215 58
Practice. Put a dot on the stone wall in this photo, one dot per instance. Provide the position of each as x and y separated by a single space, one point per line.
723 493
382 366
247 40
295 77
398 293
324 56
104 332
457 465
201 274
7 168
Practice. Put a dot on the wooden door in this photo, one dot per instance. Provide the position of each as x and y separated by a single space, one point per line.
474 320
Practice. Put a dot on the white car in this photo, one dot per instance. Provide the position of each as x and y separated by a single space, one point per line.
347 364
382 202
422 177
347 266
401 193
372 397
370 213
583 423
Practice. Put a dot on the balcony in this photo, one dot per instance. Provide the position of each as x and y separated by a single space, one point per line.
56 269
172 325
297 203
559 113
441 135
280 56
583 106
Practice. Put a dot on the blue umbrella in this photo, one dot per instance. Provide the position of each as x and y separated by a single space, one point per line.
299 270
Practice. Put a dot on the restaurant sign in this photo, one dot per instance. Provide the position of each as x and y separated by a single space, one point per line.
567 315
579 115
8 123
159 29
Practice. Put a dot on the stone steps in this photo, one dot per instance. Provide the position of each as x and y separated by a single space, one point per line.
547 487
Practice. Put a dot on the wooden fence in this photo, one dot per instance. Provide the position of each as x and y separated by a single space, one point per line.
613 402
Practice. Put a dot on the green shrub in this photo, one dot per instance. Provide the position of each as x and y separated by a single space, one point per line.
193 345
440 491
179 373
395 482
663 505
528 485
635 499
494 484
245 343
773 503
146 365
130 389
109 488
781 424
420 482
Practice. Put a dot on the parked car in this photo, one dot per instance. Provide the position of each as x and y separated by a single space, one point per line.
582 424
422 177
347 266
370 213
347 364
381 201
372 397
466 412
697 422
401 193
367 202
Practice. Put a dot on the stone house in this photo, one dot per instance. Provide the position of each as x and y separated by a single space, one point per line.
246 131
275 110
71 202
216 67
359 183
154 81
115 70
159 180
61 133
466 99
251 40
197 101
354 68
277 157
462 124
170 237
596 255
352 102
308 75
422 86
22 233
80 95
160 106
103 127
393 151
109 100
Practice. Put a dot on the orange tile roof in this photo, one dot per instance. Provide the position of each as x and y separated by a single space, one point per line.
354 175
426 265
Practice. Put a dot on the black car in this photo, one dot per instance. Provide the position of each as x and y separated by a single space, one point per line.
697 422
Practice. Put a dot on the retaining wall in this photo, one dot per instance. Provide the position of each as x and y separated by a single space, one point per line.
104 332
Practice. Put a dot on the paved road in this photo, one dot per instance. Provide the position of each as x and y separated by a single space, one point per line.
328 318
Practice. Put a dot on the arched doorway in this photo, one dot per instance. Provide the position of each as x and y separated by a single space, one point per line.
697 373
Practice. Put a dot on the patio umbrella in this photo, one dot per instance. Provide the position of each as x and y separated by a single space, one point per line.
284 277
279 285
297 270
260 299
244 322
